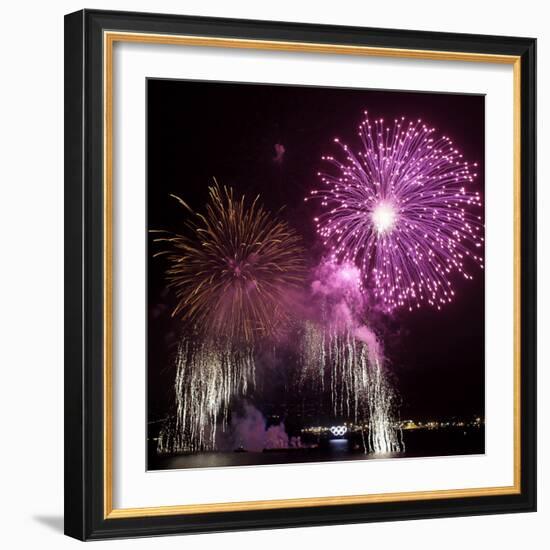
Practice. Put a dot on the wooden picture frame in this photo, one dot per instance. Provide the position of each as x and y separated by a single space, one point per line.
89 39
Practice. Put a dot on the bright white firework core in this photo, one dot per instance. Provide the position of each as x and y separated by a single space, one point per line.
384 217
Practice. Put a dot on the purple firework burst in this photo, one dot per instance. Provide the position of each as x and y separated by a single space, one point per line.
402 210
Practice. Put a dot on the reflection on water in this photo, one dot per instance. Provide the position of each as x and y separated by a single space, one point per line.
418 443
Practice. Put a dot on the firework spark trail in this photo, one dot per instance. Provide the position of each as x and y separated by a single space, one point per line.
343 355
358 384
384 437
233 274
208 376
402 210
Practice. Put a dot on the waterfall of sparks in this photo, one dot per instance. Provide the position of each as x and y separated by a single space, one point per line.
359 387
403 210
208 376
341 357
233 271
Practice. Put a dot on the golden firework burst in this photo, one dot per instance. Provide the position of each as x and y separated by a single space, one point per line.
236 269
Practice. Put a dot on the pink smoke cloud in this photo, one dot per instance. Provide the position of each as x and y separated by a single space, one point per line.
366 335
248 431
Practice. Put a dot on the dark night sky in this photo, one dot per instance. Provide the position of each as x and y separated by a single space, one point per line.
198 130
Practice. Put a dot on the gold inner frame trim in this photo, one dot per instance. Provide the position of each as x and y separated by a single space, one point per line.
109 39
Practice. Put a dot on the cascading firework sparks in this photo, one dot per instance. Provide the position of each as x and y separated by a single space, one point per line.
358 384
342 356
234 274
402 210
208 376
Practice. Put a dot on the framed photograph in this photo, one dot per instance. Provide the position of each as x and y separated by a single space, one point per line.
300 274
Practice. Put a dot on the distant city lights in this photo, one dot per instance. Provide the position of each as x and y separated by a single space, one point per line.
350 427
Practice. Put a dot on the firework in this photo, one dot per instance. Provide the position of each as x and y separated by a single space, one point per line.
233 272
358 383
208 376
236 268
402 210
342 357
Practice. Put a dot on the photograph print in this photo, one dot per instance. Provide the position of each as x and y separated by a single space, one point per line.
315 274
